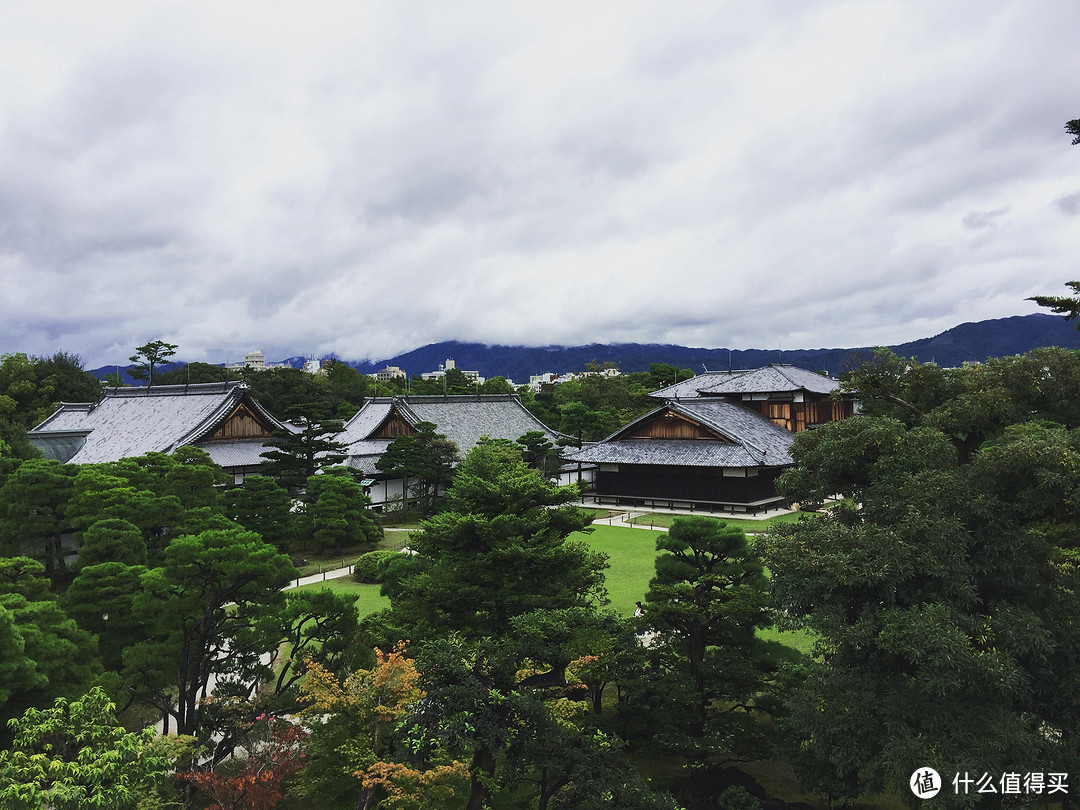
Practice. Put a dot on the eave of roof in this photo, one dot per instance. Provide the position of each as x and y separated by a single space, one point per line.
676 453
753 439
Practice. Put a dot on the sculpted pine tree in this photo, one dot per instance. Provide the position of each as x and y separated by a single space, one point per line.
297 456
706 602
147 357
211 590
263 506
424 460
338 514
1069 306
497 557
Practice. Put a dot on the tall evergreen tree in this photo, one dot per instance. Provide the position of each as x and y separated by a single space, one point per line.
706 602
502 602
946 612
263 506
299 455
33 503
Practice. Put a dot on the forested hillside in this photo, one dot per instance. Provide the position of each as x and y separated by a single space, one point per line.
968 342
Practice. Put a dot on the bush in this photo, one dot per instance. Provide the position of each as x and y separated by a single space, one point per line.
737 798
370 567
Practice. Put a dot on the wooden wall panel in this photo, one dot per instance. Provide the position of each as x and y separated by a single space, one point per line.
242 423
670 426
393 426
798 416
702 484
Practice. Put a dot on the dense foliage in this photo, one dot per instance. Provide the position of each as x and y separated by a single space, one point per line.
944 591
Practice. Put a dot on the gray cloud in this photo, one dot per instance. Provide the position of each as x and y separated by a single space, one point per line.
1070 204
366 179
984 220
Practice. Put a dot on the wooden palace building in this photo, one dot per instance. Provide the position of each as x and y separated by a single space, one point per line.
221 418
717 441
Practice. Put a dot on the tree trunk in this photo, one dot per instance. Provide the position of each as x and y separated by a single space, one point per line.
481 772
367 800
697 673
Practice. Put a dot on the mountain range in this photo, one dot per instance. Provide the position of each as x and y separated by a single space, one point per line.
968 342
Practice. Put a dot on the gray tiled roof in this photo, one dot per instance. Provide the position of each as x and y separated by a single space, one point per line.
237 452
368 418
768 380
669 452
366 461
130 422
755 440
466 419
463 419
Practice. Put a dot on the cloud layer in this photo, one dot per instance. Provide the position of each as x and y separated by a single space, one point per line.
367 178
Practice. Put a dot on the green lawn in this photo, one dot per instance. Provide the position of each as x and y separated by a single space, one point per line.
631 554
631 558
368 598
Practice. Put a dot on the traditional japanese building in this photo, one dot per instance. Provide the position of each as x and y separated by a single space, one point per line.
462 419
220 418
718 441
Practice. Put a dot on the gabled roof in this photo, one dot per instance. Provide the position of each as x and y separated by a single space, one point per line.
128 422
772 379
366 421
463 419
753 440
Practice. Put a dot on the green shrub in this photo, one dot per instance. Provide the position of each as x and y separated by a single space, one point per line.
737 798
369 567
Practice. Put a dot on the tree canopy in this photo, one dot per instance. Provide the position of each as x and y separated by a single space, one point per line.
943 591
706 602
75 755
297 456
498 559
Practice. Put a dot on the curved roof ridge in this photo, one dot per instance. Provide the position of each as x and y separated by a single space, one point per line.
222 387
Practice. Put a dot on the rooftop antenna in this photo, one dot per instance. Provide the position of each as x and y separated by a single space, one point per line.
780 353
729 361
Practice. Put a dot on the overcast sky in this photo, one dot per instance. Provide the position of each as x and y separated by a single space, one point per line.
365 178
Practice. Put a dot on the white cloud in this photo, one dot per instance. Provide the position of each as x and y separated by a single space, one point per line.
365 178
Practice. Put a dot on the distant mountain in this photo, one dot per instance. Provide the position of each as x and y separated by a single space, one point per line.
968 342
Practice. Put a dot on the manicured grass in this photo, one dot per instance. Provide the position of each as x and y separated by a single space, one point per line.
395 539
632 559
665 519
632 563
601 514
368 599
801 640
